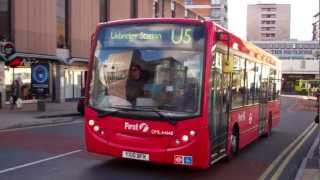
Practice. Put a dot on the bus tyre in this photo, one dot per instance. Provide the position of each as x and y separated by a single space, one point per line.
234 143
269 126
269 129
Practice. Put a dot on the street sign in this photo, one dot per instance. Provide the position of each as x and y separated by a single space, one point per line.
40 79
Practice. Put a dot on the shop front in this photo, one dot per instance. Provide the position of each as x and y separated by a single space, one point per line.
65 82
290 80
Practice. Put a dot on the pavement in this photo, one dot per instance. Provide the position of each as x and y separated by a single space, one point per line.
28 115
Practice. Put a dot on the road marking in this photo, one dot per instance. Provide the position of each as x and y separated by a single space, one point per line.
279 171
41 126
284 152
39 161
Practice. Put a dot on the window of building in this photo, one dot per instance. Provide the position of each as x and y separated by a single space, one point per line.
104 10
188 2
268 9
268 15
216 14
173 9
5 16
268 28
215 1
156 8
62 24
134 8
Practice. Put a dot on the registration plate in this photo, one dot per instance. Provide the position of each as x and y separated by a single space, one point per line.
135 155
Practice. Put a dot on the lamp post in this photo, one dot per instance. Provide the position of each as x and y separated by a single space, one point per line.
316 120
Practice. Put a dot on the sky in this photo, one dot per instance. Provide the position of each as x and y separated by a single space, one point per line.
302 12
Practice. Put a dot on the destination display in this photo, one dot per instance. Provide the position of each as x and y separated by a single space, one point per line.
154 36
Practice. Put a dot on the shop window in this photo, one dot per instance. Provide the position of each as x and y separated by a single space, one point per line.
238 85
23 75
74 83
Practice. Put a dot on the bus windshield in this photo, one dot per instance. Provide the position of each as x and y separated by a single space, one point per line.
158 66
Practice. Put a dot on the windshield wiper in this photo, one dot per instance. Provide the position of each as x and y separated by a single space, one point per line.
159 113
113 110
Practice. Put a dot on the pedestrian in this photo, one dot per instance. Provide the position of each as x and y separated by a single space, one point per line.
15 92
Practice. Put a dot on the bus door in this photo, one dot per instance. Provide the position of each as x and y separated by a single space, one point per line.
263 96
218 109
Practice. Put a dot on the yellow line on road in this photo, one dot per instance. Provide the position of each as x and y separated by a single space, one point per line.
292 153
284 152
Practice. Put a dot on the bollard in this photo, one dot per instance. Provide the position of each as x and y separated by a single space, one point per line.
41 106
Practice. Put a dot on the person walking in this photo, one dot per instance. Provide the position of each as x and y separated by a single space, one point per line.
15 92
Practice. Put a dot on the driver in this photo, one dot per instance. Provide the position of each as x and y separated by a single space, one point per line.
135 84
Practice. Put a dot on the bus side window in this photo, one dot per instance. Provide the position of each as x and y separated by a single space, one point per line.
257 80
238 85
273 81
278 84
250 86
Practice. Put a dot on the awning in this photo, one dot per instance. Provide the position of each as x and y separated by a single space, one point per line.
81 60
30 55
67 61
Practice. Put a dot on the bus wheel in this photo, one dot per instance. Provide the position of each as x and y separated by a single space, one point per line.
234 142
269 125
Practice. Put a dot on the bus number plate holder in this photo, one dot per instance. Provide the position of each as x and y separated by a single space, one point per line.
135 155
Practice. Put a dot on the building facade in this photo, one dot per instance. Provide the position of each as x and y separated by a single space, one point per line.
316 27
58 33
298 58
268 22
215 10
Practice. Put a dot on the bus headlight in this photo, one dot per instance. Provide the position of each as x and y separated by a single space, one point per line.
96 128
192 133
185 138
91 122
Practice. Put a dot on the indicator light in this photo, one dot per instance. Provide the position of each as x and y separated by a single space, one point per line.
177 141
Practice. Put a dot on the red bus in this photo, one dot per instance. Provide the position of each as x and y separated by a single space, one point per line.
177 91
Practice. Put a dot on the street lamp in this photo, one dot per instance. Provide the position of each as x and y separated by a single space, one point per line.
316 120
